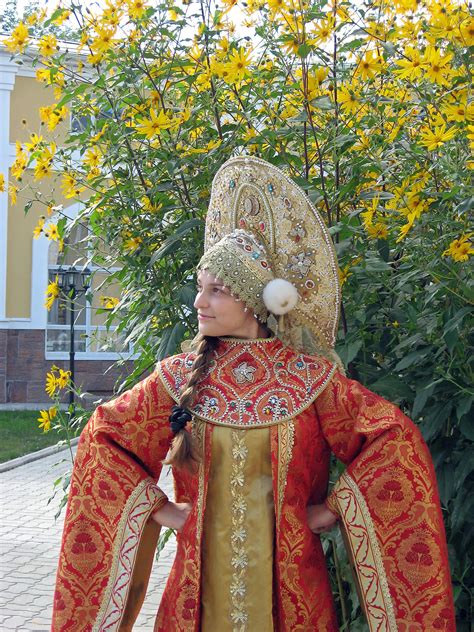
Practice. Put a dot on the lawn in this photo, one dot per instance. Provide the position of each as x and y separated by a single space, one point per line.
20 434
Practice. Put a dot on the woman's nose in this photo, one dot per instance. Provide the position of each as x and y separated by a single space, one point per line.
199 301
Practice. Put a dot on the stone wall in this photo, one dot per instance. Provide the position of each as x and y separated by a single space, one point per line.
23 369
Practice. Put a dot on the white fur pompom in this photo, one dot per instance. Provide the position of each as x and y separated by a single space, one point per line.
280 296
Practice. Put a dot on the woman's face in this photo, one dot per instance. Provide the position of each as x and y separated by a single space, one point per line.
219 314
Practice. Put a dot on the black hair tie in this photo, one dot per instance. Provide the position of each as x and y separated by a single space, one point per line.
179 418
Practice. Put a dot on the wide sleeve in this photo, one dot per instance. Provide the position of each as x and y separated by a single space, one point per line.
109 538
389 510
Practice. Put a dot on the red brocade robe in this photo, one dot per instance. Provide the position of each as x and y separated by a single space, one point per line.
386 500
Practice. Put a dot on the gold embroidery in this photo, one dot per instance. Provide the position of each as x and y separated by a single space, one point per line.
289 383
364 549
238 611
199 431
138 508
286 438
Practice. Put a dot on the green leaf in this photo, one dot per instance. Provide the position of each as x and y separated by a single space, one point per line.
323 103
170 338
392 387
349 351
412 358
304 50
421 399
162 540
446 480
463 406
466 426
172 242
370 194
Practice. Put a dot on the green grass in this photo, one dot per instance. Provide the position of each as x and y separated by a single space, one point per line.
20 434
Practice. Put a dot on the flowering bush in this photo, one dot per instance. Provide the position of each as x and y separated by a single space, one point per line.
368 106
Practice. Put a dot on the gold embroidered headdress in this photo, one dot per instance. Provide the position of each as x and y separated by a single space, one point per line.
264 239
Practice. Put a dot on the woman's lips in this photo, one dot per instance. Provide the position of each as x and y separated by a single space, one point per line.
202 317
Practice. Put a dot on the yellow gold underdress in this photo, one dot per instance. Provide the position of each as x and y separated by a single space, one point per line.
238 533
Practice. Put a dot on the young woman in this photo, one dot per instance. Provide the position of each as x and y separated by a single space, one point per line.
248 417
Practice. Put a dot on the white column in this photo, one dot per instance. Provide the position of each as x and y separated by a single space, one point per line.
8 71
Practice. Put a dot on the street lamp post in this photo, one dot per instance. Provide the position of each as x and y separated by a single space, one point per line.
75 282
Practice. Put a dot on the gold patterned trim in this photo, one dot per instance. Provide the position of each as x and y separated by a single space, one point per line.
138 508
239 560
199 431
364 549
286 439
265 424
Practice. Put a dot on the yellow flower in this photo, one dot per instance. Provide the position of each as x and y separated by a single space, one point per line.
238 65
46 417
406 227
109 302
19 166
93 157
410 67
323 30
62 17
52 292
348 100
12 191
52 116
154 125
51 384
467 31
133 243
42 169
136 8
18 40
344 274
39 227
104 40
459 112
149 206
48 45
432 139
98 136
377 231
369 65
69 186
437 67
51 232
460 249
2 183
275 5
63 378
35 140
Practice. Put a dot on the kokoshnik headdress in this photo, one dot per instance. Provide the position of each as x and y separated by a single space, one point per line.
268 244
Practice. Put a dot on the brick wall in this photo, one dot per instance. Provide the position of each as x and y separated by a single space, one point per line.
23 369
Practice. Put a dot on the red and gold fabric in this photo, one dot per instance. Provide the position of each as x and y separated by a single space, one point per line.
389 507
304 409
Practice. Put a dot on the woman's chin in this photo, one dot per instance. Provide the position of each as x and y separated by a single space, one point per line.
208 328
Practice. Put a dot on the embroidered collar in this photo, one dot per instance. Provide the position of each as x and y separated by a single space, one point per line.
250 382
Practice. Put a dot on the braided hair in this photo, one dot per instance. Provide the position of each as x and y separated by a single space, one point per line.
184 452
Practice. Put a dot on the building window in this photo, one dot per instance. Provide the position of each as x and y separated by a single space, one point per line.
92 339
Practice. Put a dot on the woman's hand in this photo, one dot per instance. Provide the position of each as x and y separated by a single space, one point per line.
172 515
320 518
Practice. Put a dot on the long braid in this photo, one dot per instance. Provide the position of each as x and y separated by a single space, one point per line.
184 451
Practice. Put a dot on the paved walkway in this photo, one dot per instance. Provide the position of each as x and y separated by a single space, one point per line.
29 547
